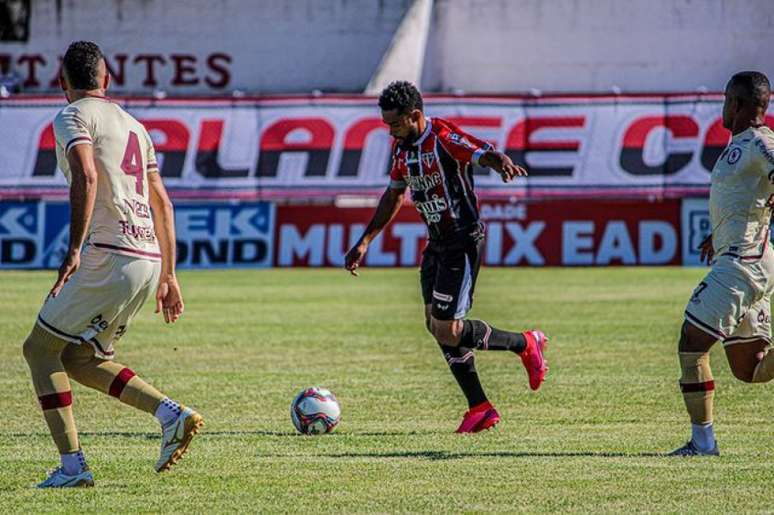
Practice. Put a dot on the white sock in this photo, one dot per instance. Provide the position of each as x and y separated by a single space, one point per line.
73 463
703 436
167 412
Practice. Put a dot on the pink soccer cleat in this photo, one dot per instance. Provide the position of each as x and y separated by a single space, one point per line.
479 417
532 357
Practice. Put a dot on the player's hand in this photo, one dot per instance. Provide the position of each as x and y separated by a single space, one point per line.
509 170
707 251
354 256
69 265
169 299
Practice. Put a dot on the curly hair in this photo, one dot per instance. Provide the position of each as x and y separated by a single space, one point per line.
401 95
81 64
753 87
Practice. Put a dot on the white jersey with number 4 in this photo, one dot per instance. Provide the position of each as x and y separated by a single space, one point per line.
124 157
741 194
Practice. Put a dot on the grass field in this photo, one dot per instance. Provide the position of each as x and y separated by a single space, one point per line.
588 441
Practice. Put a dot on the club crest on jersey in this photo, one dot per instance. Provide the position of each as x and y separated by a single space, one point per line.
462 140
734 155
428 158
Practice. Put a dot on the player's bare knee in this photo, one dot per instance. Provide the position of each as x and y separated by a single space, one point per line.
28 349
693 339
447 332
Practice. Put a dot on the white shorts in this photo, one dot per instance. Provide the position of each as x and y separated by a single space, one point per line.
100 300
733 302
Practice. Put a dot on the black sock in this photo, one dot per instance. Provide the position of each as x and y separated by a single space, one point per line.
462 363
480 335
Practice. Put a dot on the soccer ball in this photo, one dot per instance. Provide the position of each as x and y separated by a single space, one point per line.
315 411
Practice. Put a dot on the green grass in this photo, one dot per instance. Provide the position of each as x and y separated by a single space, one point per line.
249 340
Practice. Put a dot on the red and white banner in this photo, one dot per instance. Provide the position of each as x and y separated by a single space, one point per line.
275 148
550 233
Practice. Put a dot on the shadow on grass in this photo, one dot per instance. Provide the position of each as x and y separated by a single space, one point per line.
446 455
205 433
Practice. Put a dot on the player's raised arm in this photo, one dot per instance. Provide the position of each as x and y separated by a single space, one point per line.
83 191
388 207
169 299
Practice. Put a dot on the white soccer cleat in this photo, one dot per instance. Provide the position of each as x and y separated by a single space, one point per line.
58 479
177 436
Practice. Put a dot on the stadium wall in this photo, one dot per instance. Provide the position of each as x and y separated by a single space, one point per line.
482 46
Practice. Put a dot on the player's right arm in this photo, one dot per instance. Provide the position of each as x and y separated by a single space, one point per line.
74 138
169 298
388 207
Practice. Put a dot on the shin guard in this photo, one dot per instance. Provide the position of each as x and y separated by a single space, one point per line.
697 386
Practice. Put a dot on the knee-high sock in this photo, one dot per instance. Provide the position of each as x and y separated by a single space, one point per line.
697 386
42 351
764 371
111 378
462 363
477 334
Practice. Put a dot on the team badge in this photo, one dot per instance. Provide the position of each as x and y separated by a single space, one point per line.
428 158
734 155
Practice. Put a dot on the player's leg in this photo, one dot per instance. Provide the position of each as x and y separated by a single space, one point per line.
698 389
179 424
714 312
461 360
452 298
110 378
42 351
747 349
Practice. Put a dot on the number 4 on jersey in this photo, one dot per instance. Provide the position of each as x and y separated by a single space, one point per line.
132 162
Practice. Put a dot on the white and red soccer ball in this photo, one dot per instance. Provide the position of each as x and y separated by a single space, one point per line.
315 411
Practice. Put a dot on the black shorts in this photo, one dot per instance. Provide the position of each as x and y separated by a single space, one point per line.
449 272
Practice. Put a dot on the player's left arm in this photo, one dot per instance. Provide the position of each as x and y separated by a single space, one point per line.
169 298
466 147
764 147
83 192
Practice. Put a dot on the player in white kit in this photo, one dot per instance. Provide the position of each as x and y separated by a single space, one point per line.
121 252
732 303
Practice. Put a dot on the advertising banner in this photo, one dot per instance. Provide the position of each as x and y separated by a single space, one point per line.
35 234
551 233
297 148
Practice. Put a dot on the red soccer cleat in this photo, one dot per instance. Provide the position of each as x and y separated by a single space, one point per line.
532 357
479 417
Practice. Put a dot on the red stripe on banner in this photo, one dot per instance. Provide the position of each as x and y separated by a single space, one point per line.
119 383
697 387
55 400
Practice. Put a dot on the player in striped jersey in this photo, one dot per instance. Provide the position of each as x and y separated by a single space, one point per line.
432 157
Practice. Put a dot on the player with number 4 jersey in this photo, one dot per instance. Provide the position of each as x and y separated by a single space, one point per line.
121 251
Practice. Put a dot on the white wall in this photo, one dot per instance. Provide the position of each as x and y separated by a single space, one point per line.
274 45
591 45
296 46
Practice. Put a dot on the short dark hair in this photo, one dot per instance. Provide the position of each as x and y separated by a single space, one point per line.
750 86
81 64
401 95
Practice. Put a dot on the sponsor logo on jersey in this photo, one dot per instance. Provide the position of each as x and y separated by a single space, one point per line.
442 296
139 209
138 232
423 182
432 209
